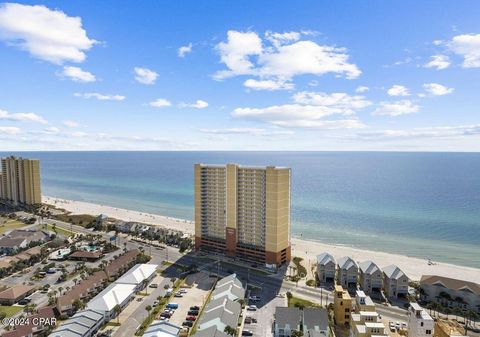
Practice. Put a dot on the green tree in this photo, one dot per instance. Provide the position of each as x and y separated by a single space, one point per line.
229 330
297 333
117 311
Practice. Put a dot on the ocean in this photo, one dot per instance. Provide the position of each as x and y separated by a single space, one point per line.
425 205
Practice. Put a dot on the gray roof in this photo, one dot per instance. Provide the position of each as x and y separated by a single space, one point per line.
393 272
313 317
325 258
162 326
8 242
236 290
285 315
79 324
369 267
225 303
229 278
211 332
346 263
226 317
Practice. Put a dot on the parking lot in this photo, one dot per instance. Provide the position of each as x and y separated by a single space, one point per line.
265 312
196 295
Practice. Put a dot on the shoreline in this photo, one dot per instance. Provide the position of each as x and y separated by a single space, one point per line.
412 266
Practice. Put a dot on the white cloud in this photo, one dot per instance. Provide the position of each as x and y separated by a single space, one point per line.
398 108
9 130
145 75
100 97
286 57
436 89
71 124
160 103
429 132
467 46
22 117
78 134
199 104
362 89
310 110
76 74
46 34
184 50
236 51
439 62
398 90
247 131
270 85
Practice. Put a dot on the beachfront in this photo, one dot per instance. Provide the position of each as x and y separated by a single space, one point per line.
308 250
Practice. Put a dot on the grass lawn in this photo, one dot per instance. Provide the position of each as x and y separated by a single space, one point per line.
296 301
10 310
60 231
9 224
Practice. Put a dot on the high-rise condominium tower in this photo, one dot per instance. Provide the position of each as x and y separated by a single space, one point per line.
20 181
243 212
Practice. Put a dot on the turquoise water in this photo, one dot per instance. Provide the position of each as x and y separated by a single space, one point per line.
418 204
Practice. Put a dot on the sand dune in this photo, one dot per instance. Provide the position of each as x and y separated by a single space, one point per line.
413 267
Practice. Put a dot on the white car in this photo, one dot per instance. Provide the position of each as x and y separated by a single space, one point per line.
252 308
392 326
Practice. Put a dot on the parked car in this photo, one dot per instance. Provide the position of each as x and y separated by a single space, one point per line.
153 285
255 298
397 325
187 323
191 318
172 306
252 308
155 303
247 333
25 301
165 315
178 294
193 312
182 291
250 319
195 307
392 326
51 271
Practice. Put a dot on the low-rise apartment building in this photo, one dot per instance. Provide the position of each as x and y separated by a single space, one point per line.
326 268
342 306
420 324
84 323
395 282
287 320
371 277
311 322
16 293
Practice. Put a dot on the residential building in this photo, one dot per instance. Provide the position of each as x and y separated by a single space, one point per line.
85 255
11 246
162 329
243 212
420 324
140 275
125 227
84 323
113 295
326 268
366 324
287 320
223 309
447 328
14 294
347 273
21 181
363 302
451 292
395 282
342 305
315 322
370 277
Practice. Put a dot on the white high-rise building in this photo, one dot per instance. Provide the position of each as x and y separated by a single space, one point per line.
420 324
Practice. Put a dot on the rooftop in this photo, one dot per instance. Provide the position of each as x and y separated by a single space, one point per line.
325 258
15 292
113 295
369 267
290 316
393 272
138 274
162 329
346 263
450 283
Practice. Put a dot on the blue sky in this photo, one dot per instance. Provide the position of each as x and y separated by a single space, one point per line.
240 75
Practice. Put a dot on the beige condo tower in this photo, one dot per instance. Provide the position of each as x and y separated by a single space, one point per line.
20 181
243 212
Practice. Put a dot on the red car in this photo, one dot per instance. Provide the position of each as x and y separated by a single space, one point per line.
191 318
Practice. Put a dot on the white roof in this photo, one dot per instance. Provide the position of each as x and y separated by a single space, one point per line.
369 267
393 272
113 295
138 274
346 263
162 329
325 258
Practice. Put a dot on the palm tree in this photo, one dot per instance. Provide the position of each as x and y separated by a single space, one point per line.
229 330
117 311
148 308
297 333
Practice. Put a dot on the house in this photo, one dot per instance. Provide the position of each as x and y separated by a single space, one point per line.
326 268
347 273
371 277
287 320
315 322
11 246
363 302
223 309
395 282
451 292
125 227
16 293
162 329
115 294
36 324
367 324
342 305
31 235
140 275
84 255
420 324
84 323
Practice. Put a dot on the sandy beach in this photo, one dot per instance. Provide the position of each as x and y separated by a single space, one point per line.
413 267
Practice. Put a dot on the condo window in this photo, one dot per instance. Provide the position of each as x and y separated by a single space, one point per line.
428 332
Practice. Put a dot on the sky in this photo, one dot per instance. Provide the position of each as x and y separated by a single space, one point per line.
240 75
